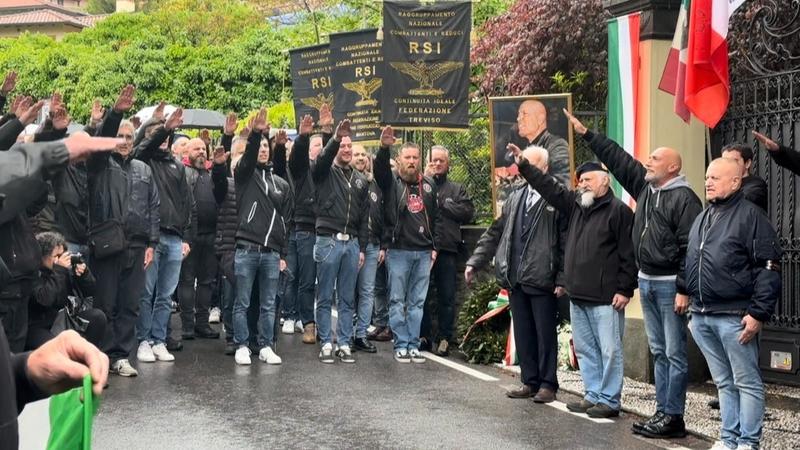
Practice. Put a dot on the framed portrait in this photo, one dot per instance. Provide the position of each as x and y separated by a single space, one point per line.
524 121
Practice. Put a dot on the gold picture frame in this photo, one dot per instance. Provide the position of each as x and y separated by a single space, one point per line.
504 127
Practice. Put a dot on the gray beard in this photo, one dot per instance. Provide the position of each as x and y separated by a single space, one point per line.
587 199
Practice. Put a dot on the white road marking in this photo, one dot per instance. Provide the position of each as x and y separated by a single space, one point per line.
463 369
561 406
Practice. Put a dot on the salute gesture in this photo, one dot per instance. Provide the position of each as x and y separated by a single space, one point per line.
343 130
515 151
281 138
175 120
768 143
387 137
326 118
220 155
158 113
28 111
259 122
9 83
230 124
576 124
125 100
97 113
60 118
306 125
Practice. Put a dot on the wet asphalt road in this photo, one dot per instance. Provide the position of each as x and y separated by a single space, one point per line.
204 401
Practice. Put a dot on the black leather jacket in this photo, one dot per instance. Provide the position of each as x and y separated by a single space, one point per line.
455 209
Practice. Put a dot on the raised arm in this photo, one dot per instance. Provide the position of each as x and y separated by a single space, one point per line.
249 159
555 193
299 163
322 167
383 165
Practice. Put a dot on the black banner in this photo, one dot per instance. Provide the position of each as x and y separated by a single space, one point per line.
426 64
357 63
311 80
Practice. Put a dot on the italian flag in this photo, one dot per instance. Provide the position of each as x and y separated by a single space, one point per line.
623 88
707 85
673 80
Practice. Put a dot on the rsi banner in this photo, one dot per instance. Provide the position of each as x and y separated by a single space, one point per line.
357 62
311 80
426 64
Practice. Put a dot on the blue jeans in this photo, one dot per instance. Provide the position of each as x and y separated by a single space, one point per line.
734 368
366 289
597 334
381 309
249 264
666 334
337 267
160 280
298 302
409 275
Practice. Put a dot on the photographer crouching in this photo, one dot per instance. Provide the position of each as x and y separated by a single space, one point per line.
65 283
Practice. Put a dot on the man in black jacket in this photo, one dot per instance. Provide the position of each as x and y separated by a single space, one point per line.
666 208
201 263
373 256
527 244
455 210
342 234
411 235
600 274
734 282
176 227
754 188
122 192
264 204
782 155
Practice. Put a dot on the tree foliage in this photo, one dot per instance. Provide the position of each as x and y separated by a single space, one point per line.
519 52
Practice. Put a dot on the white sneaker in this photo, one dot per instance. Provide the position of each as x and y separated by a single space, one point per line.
123 368
371 328
745 447
242 356
214 315
298 326
719 445
288 326
145 353
162 354
268 356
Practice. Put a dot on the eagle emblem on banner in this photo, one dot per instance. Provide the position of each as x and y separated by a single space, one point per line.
365 89
425 74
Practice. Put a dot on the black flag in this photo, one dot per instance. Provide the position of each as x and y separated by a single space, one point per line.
357 62
426 61
311 81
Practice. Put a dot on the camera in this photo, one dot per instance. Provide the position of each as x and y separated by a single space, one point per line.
76 259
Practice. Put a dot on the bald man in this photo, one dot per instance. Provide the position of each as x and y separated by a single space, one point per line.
199 269
665 209
531 129
527 244
734 282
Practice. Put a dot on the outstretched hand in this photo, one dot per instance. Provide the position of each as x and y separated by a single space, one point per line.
387 136
158 113
259 122
125 100
97 113
515 151
27 113
281 138
576 124
325 118
62 362
768 143
306 125
230 124
9 83
80 145
221 156
175 120
343 129
61 118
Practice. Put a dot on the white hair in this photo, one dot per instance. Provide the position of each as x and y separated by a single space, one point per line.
441 148
543 153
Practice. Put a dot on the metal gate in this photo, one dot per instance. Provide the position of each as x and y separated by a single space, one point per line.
765 96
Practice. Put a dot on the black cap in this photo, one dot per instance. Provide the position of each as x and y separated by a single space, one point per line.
589 166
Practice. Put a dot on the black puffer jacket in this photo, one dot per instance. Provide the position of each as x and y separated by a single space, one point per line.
395 202
178 212
228 218
732 264
455 209
598 256
264 201
663 215
542 262
342 197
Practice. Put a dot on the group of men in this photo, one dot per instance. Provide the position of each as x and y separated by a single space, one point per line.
713 271
277 229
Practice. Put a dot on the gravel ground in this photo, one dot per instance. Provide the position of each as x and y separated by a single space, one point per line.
781 426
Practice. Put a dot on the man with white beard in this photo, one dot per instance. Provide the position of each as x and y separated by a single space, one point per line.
600 273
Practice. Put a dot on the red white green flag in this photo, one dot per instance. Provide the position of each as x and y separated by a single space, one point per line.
623 88
673 80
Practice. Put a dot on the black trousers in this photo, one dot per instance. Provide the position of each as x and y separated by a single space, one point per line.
444 300
95 330
120 280
534 314
200 265
14 297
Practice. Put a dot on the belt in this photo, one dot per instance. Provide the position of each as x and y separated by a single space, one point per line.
342 237
254 248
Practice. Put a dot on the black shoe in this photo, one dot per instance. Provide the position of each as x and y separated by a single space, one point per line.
187 335
174 345
713 404
424 345
230 348
206 333
580 407
655 418
601 411
668 427
363 345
